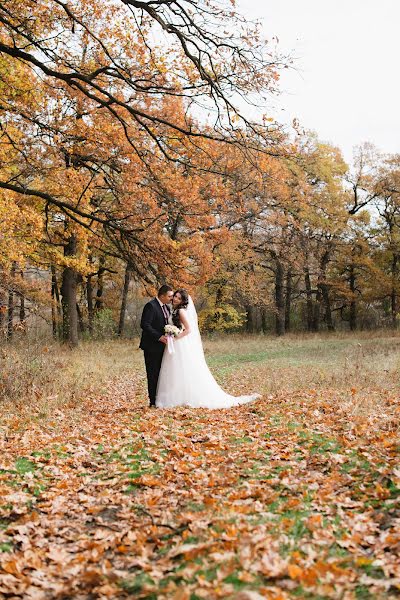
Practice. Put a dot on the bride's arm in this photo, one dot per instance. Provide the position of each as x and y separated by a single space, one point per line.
185 323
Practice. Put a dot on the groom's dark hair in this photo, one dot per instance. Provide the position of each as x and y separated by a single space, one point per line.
164 289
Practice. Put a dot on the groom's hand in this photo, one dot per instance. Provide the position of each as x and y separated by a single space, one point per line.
163 339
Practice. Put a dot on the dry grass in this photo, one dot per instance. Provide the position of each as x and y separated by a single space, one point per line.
38 379
303 362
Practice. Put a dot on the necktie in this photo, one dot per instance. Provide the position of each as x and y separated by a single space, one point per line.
165 311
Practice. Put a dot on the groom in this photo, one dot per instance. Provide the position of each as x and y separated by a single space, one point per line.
154 318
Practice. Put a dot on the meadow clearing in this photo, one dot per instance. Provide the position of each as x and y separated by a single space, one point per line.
296 495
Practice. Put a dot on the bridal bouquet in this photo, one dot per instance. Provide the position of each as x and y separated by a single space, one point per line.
171 331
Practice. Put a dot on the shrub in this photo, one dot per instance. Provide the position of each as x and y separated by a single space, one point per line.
221 318
103 324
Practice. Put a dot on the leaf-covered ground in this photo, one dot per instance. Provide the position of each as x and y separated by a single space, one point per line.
296 495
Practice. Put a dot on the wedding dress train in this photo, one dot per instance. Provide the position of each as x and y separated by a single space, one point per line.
186 380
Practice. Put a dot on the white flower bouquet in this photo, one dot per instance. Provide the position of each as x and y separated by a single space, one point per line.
171 331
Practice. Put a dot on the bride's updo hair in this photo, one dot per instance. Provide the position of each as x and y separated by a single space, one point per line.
184 303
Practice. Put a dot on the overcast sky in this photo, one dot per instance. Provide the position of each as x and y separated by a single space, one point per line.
347 84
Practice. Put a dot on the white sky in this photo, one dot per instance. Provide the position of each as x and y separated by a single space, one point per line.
347 84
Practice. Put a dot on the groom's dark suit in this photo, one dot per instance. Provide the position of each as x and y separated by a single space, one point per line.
153 323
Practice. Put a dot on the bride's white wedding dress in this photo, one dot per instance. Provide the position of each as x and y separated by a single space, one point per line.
185 379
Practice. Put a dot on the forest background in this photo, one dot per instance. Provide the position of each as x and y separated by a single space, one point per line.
125 162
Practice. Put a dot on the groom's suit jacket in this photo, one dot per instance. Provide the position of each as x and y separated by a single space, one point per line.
152 324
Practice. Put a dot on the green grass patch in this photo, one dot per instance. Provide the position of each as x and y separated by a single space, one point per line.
137 584
24 465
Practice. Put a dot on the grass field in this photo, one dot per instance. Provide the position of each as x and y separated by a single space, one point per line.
294 496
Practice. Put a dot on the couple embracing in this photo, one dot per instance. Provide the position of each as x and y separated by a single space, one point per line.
181 377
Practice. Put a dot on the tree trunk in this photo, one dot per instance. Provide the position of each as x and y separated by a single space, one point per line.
10 310
288 299
317 310
279 298
124 299
22 314
81 322
249 319
68 293
327 305
353 305
263 320
322 296
393 295
324 287
3 305
307 283
89 298
56 311
219 295
100 284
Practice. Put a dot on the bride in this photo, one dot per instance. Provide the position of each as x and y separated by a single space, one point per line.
185 379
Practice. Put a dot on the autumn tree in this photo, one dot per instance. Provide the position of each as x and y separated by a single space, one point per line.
102 112
388 229
374 184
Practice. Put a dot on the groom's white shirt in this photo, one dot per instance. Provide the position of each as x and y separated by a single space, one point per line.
168 309
161 304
